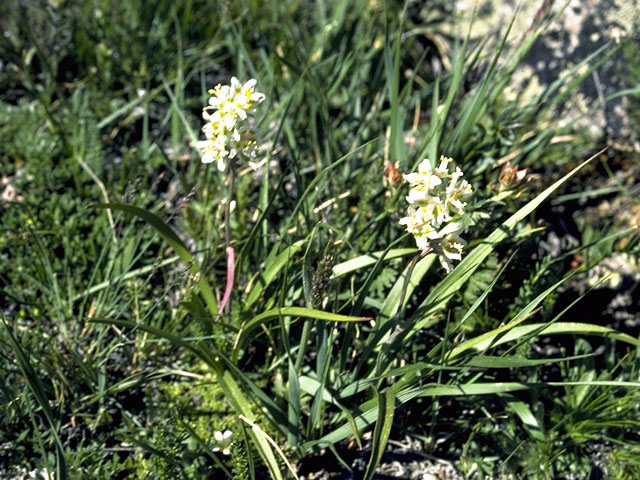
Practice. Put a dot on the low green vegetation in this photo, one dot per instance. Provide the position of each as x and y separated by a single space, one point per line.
165 318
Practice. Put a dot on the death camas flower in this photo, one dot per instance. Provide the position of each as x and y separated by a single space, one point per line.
228 131
436 205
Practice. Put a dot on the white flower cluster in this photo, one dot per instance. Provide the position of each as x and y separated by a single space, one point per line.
37 474
436 201
228 129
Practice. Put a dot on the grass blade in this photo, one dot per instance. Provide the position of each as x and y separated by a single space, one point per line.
363 261
255 322
386 409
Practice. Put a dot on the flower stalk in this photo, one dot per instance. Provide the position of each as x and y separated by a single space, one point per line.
229 135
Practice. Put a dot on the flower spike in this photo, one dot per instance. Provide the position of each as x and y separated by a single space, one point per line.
436 197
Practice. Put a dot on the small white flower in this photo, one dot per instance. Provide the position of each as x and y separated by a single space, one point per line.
39 474
443 169
8 194
223 442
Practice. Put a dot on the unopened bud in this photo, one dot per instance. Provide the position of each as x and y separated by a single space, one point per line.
392 174
511 176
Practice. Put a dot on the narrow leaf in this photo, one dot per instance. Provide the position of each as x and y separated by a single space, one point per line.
386 402
365 260
258 320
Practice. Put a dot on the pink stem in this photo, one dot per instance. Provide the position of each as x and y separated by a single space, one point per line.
231 259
